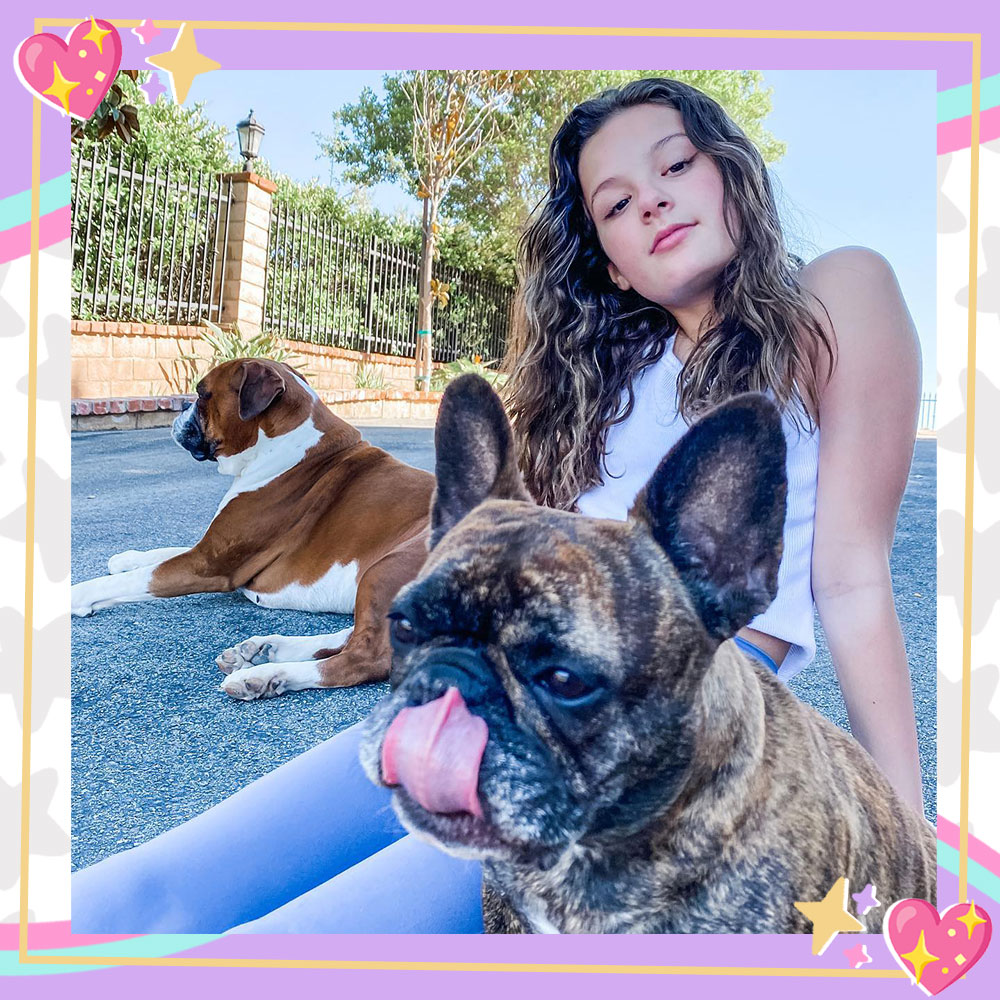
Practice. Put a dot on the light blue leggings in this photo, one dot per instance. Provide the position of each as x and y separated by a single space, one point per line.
312 847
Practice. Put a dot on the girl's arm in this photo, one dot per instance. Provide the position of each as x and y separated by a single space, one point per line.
868 415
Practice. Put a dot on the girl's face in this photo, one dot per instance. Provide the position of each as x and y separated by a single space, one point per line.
656 201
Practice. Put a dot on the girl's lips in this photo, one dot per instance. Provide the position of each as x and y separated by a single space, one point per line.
672 239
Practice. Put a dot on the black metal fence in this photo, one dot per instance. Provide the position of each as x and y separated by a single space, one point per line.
147 245
477 319
328 285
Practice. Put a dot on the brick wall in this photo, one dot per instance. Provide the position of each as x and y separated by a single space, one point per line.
135 359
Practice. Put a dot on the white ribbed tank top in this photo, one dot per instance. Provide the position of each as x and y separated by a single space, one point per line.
634 449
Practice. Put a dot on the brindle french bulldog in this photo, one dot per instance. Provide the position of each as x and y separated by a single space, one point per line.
565 704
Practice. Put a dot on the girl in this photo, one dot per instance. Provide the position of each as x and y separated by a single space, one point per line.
654 282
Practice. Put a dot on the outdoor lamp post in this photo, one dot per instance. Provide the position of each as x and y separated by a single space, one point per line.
249 132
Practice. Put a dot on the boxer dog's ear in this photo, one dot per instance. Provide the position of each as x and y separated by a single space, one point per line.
262 384
716 505
474 454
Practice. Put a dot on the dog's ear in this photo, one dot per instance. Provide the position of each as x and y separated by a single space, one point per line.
262 384
474 454
716 504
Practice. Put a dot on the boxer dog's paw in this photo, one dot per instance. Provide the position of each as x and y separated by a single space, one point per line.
125 561
81 600
254 682
252 652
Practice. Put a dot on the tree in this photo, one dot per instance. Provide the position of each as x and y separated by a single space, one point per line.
113 117
440 121
162 133
497 191
503 187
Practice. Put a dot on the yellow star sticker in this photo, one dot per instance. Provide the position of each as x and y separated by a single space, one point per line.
96 35
61 87
970 919
919 958
183 63
829 916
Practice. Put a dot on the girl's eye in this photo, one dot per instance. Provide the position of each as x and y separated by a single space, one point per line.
617 208
676 168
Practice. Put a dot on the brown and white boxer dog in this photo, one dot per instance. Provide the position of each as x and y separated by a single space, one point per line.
316 520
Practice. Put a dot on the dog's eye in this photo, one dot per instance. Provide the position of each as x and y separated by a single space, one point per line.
401 628
564 685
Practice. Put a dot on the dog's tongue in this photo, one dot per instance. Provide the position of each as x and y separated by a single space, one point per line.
434 751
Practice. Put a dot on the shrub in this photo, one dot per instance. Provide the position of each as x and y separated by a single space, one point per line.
228 345
369 376
463 366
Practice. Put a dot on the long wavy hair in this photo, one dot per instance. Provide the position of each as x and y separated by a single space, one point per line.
579 341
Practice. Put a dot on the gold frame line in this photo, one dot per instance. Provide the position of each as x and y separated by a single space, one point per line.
530 29
111 960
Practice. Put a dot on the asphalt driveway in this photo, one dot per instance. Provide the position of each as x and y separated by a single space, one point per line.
155 742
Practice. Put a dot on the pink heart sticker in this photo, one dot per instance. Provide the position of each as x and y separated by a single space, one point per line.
74 76
933 950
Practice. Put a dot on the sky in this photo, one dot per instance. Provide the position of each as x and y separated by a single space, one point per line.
860 167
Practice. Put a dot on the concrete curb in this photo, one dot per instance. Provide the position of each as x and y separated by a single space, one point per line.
126 412
385 407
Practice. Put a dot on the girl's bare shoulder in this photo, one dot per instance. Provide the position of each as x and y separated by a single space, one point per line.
846 279
858 302
853 288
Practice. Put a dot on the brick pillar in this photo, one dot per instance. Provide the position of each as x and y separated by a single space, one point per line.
245 251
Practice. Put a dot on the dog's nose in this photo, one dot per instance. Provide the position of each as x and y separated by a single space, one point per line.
464 669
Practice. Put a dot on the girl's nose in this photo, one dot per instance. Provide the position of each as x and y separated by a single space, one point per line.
652 201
